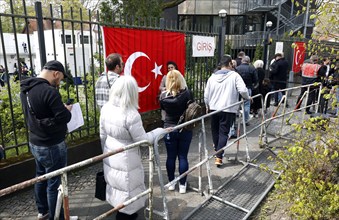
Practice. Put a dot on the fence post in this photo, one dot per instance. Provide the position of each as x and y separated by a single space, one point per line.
41 36
162 23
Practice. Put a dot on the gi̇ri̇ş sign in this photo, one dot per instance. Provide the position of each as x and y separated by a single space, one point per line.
203 46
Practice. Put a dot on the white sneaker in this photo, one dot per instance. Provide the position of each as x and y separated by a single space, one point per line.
43 216
182 188
73 218
249 119
171 187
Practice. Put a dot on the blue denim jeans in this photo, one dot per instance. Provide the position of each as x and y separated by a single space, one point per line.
48 159
220 126
177 145
247 106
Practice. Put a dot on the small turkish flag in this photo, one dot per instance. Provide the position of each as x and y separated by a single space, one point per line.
298 56
145 53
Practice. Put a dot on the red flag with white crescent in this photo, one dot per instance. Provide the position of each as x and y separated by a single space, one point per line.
145 54
298 56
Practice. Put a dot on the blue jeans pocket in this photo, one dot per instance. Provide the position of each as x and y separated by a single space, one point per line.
51 156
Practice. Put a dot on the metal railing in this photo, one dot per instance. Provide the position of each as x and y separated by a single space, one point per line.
72 36
63 196
204 157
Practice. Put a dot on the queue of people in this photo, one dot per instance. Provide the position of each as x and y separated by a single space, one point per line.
121 124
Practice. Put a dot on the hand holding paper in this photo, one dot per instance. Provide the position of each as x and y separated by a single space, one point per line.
77 119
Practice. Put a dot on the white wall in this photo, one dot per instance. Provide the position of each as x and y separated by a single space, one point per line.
11 51
70 50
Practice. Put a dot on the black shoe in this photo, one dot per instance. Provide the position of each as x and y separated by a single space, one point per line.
233 136
123 216
309 112
275 104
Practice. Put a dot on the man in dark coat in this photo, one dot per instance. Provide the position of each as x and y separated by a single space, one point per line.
250 76
47 117
278 75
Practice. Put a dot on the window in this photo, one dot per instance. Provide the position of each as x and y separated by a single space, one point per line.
68 39
236 25
84 39
253 23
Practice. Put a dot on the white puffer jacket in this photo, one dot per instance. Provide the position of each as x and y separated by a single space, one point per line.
124 172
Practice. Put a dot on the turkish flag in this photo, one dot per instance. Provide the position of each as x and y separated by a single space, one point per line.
145 54
298 56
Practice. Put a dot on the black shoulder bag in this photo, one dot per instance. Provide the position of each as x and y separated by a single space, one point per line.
43 123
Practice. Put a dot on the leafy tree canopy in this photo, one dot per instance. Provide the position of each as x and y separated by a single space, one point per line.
135 8
71 9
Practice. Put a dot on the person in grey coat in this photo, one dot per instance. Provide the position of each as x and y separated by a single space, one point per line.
222 90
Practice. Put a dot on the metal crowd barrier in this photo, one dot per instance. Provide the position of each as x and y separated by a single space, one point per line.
263 141
154 156
202 142
283 104
63 193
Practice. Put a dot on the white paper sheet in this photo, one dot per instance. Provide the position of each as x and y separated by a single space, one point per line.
77 119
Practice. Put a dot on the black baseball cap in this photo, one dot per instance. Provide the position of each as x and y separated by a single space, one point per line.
57 66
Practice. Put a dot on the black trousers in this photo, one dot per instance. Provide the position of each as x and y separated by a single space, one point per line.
123 216
220 126
311 96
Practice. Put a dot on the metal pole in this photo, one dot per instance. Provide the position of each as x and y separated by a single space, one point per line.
165 213
150 185
41 36
278 20
208 168
200 168
64 185
222 39
306 17
162 23
267 60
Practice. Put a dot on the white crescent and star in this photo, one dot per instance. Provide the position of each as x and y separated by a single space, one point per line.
129 63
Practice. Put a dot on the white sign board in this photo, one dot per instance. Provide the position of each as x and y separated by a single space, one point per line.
279 47
203 46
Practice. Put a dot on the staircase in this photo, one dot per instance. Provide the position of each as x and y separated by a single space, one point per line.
288 19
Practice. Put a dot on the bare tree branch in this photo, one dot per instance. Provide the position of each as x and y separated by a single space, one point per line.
171 4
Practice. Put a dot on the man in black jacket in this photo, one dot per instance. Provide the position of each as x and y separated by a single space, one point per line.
47 117
250 76
278 75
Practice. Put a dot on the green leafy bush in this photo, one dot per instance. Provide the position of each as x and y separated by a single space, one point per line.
258 55
310 179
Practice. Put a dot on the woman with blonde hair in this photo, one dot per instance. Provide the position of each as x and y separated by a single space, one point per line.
121 125
174 101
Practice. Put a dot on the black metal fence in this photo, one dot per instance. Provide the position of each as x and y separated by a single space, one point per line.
31 34
73 37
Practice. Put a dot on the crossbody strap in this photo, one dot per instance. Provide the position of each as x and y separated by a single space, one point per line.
109 85
29 105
